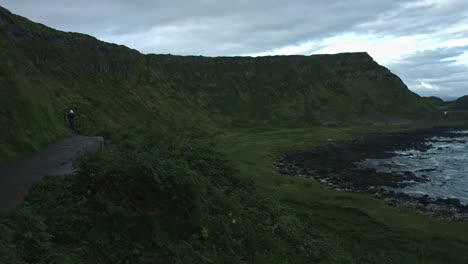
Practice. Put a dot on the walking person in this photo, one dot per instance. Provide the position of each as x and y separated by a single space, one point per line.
71 119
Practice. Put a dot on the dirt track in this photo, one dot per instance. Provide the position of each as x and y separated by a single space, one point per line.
18 177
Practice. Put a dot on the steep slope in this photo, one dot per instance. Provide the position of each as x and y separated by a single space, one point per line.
457 109
461 104
45 71
434 100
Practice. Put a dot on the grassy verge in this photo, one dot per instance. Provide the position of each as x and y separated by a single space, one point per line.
173 199
363 227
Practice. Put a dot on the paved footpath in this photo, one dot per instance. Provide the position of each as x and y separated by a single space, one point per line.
18 177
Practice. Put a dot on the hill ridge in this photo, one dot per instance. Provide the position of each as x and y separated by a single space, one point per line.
46 71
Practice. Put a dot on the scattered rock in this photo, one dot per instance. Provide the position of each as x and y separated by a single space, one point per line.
335 167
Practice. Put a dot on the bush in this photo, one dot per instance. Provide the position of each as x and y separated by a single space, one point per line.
24 238
170 201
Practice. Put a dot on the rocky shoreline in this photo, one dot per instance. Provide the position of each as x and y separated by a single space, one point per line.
334 165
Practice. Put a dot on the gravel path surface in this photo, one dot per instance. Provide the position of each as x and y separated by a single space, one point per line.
18 177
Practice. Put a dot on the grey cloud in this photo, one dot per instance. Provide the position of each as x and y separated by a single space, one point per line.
245 26
235 27
436 68
420 18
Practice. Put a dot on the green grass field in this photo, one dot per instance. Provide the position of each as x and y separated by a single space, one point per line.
203 210
360 226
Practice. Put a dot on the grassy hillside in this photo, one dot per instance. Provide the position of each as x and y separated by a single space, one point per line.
434 100
44 72
456 109
190 178
461 104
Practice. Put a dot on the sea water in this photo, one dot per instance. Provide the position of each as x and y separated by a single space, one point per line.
445 165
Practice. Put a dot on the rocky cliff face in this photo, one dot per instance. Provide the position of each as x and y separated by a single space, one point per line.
111 86
21 29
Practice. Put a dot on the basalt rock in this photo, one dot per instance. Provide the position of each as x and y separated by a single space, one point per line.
334 166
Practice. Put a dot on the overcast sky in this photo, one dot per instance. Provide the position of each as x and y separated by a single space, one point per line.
424 42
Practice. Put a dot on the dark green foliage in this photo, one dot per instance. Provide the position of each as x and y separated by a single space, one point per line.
179 202
182 202
62 205
24 238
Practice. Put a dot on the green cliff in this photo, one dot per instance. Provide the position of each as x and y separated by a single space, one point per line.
45 71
